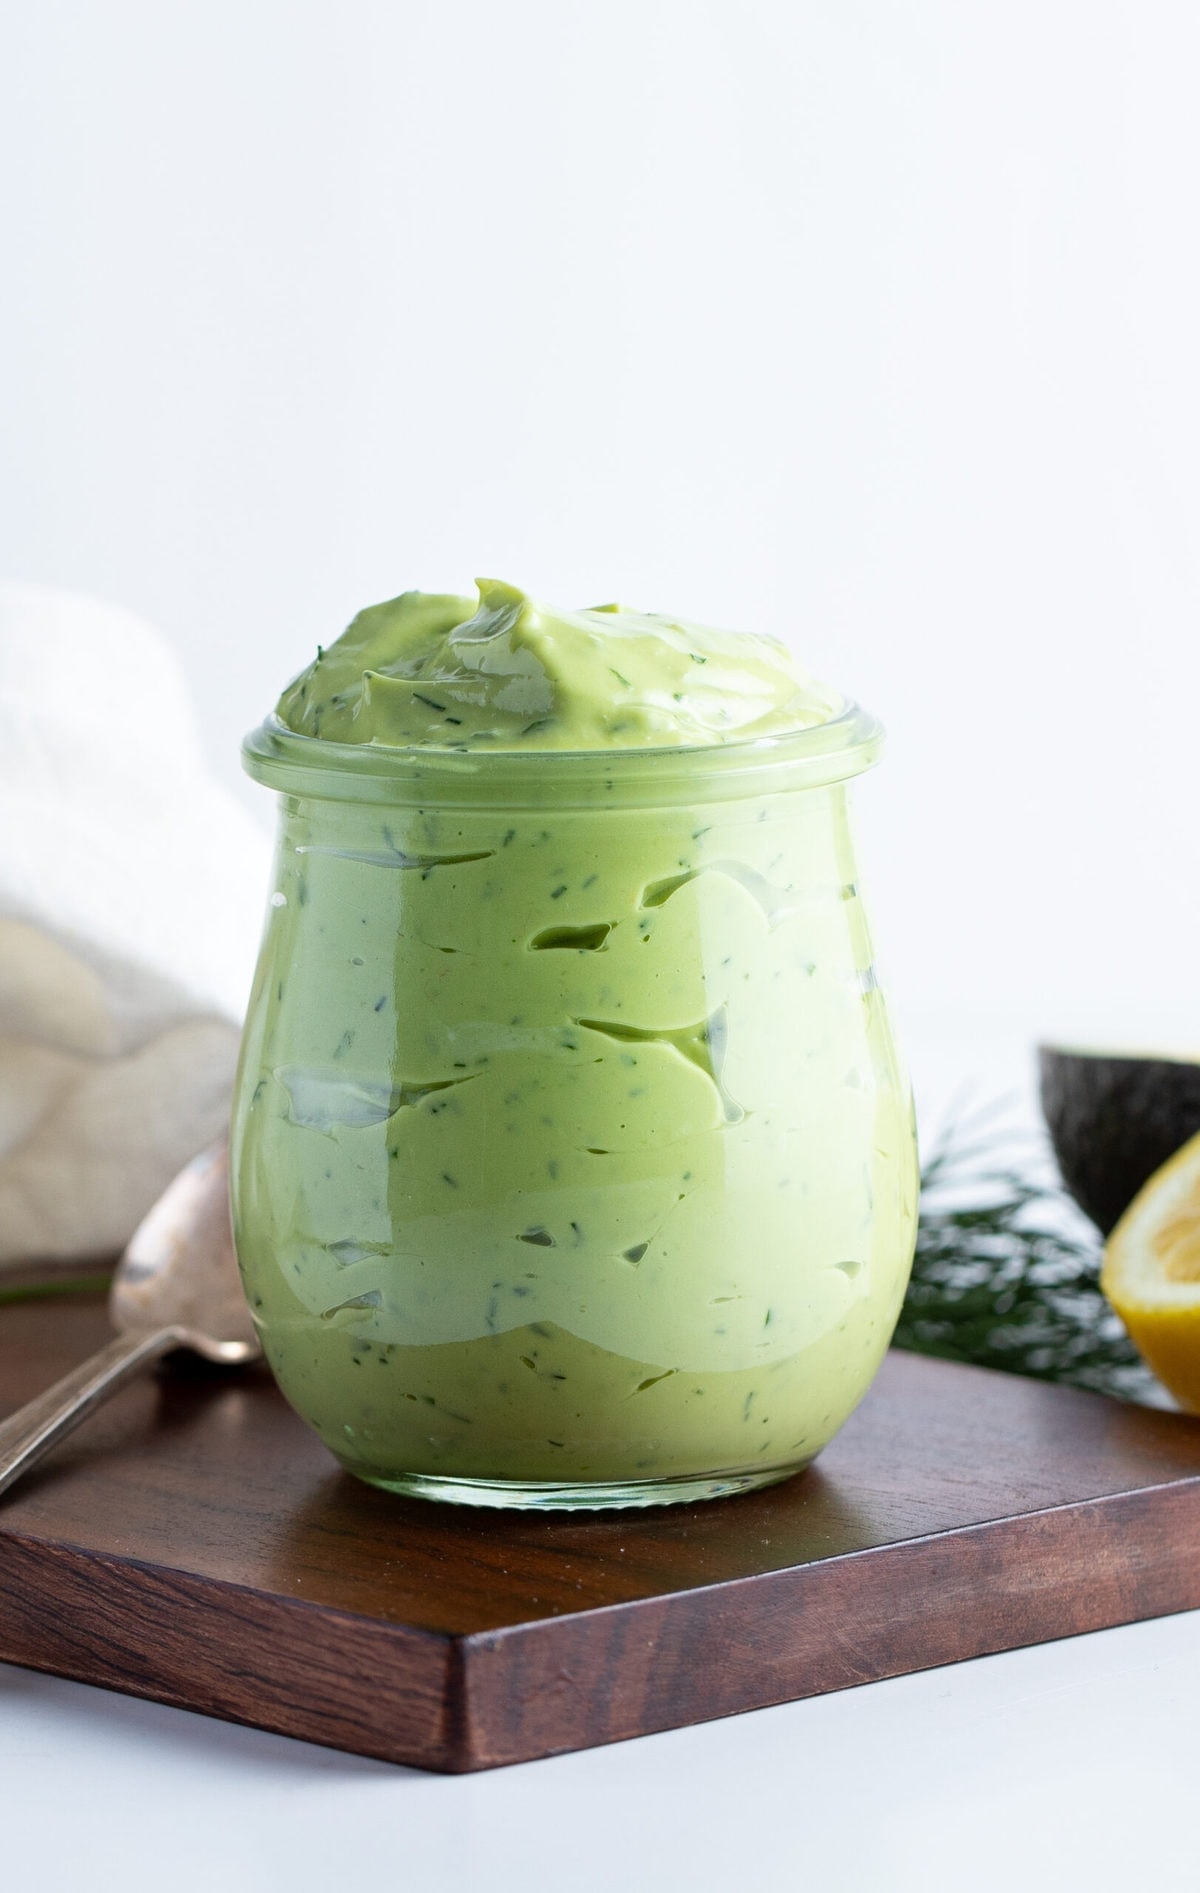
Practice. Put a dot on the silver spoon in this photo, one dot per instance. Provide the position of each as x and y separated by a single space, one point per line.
176 1286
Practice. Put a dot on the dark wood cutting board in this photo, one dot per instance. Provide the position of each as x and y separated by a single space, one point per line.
195 1544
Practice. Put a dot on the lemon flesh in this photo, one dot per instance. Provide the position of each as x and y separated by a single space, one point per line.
1151 1273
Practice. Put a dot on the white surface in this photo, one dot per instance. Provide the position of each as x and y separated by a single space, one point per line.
1059 1769
869 325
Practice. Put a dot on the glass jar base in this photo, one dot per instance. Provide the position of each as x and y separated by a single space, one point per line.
543 1496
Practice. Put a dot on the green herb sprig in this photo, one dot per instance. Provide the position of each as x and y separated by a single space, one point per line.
1006 1272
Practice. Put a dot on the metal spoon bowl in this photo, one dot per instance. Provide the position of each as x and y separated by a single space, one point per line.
176 1286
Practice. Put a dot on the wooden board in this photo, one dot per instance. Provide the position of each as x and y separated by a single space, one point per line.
195 1544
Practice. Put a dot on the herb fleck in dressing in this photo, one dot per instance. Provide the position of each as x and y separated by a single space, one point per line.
571 1147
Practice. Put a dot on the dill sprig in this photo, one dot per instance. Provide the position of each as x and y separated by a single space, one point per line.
1006 1272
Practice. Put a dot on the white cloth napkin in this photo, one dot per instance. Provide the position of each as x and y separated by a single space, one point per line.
131 896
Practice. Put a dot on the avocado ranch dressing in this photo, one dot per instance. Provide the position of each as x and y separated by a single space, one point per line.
571 1145
507 674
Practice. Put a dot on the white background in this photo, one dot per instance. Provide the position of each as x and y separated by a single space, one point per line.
873 325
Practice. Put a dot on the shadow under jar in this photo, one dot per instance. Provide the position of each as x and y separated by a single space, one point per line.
573 1162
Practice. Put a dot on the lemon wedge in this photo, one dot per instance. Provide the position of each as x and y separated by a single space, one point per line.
1151 1273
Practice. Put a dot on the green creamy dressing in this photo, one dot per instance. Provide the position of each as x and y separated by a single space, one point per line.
435 671
570 1143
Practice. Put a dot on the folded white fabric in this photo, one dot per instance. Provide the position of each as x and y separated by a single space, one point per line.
131 893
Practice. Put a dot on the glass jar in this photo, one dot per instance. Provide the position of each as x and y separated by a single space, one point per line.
573 1163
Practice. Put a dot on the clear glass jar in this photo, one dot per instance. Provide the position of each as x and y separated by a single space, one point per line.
573 1163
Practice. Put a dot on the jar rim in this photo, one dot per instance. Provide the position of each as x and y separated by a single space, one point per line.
832 751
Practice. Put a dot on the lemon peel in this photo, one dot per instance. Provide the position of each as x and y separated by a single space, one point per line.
1151 1273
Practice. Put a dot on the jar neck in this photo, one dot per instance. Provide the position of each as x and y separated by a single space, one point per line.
649 778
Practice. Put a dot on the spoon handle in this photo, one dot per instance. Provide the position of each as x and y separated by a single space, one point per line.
34 1428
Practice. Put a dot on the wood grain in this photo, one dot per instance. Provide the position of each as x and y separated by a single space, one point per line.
195 1544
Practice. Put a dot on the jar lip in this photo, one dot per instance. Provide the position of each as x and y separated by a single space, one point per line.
842 746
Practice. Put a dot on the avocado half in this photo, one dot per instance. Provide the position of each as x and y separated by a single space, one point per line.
1114 1119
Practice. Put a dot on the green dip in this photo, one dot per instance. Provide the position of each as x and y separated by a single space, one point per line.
573 1163
508 674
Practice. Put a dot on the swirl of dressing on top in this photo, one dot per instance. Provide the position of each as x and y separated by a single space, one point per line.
431 671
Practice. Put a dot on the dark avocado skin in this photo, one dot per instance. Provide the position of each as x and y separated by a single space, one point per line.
1114 1120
